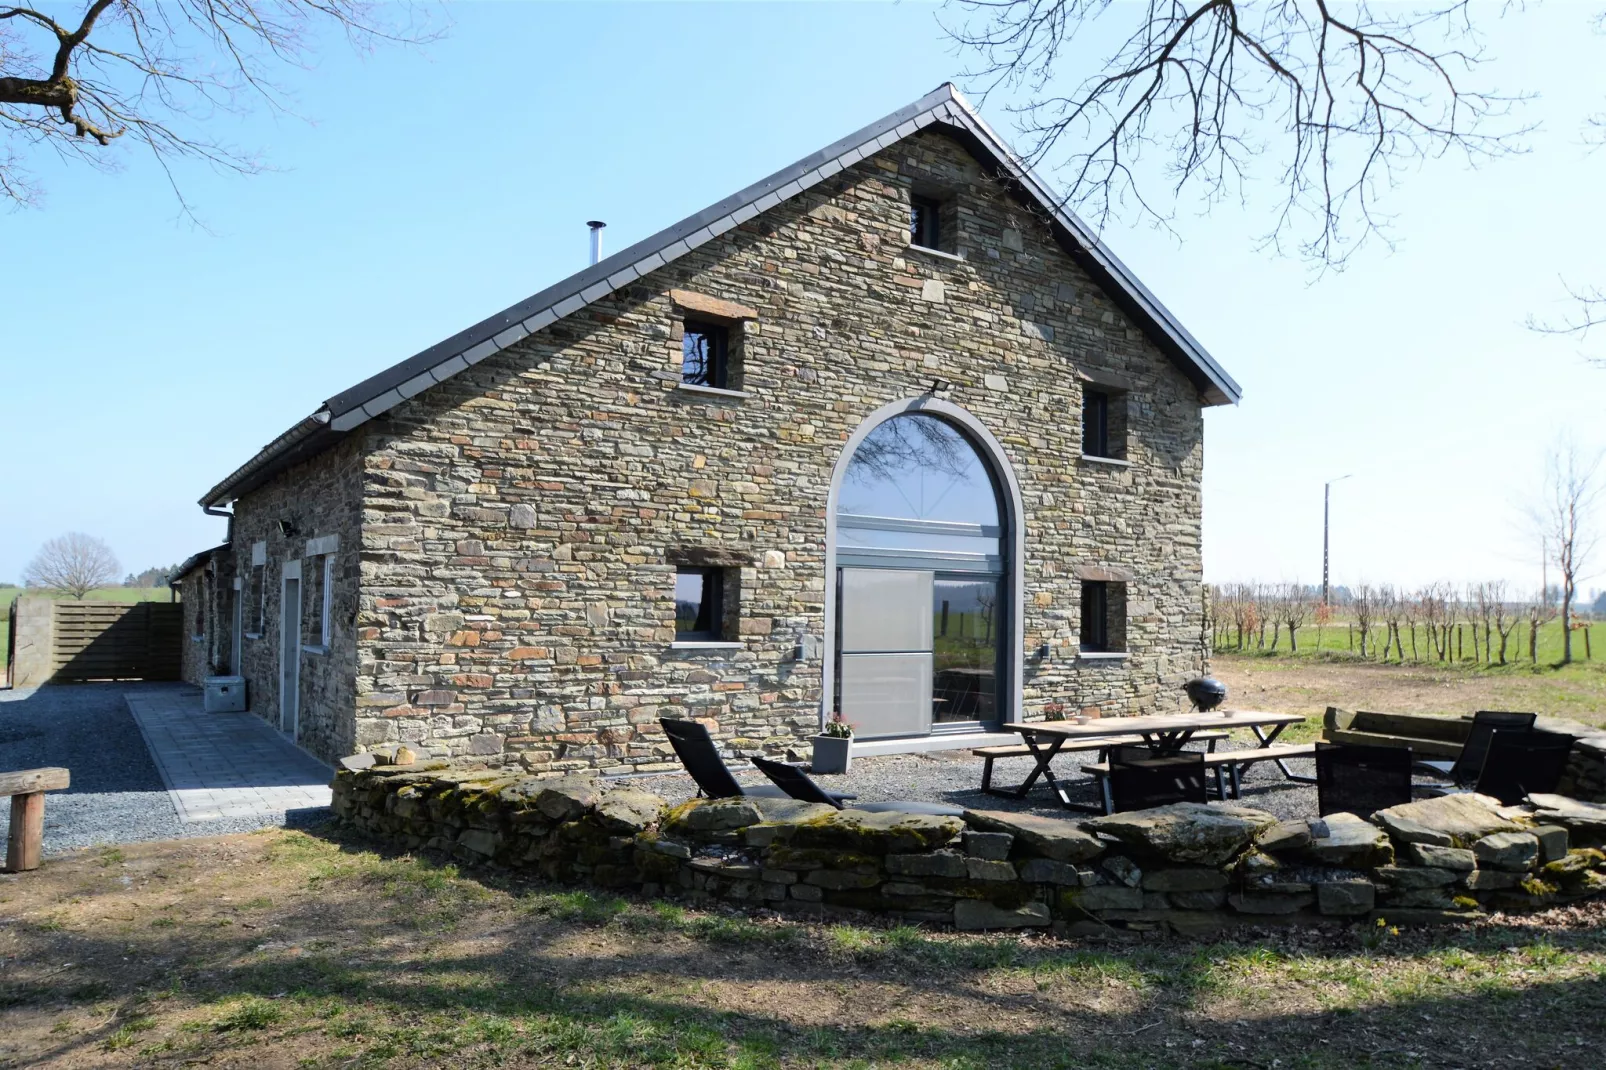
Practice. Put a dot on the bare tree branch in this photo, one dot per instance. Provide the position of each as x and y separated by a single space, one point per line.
1343 101
1589 311
153 71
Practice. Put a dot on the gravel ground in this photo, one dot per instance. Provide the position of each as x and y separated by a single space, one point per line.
117 796
955 777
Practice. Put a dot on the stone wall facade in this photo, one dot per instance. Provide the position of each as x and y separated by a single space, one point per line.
195 594
319 499
519 520
1189 869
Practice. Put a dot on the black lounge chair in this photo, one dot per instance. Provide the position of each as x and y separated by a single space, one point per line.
799 785
1141 779
696 750
1469 764
1361 780
1523 763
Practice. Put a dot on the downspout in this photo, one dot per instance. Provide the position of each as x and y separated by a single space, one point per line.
228 536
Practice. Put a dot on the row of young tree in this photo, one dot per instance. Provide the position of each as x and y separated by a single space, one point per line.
1431 623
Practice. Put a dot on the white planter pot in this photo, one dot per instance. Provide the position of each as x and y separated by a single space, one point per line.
832 754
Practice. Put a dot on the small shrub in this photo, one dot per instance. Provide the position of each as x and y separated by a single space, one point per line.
252 1012
124 1037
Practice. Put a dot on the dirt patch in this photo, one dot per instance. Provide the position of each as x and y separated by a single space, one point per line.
308 950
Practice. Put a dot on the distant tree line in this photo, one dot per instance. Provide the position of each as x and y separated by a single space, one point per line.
1436 622
157 576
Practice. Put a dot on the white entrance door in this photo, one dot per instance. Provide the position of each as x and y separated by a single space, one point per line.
290 649
886 651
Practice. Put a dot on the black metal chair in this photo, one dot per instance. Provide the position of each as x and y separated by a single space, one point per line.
698 754
1140 779
799 785
1361 780
1523 763
1469 763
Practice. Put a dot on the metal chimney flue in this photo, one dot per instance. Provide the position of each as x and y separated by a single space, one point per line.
596 226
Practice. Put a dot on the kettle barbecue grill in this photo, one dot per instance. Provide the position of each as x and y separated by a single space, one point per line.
1206 693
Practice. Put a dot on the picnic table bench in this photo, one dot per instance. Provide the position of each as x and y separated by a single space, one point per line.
27 790
1224 764
1164 733
1098 743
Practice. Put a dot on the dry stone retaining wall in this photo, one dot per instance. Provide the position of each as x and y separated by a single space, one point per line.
1186 869
1585 777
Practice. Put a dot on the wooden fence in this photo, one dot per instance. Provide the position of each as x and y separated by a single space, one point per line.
116 641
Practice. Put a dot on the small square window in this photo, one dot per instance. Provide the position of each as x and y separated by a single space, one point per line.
1103 616
699 604
925 222
1103 423
705 354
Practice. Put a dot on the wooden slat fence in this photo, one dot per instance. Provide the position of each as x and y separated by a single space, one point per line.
117 641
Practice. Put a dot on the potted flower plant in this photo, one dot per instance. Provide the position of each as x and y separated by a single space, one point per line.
833 748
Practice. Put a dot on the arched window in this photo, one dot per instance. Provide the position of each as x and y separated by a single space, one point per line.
923 586
916 488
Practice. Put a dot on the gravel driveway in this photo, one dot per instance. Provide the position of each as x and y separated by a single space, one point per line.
117 795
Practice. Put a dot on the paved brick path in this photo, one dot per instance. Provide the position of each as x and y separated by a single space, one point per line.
225 765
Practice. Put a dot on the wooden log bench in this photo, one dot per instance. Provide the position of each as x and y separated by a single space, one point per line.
27 790
988 755
1228 766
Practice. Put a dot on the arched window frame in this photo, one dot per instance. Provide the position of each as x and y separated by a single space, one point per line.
1013 538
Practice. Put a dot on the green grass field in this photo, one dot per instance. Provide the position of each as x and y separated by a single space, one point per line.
311 949
104 594
1343 639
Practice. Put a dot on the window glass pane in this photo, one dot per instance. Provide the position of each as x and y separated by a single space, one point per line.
702 354
923 224
919 467
965 626
698 603
1095 424
694 357
688 601
1095 616
848 538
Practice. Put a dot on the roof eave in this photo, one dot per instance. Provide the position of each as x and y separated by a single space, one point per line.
309 436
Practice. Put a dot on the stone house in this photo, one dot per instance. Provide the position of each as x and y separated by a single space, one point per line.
887 433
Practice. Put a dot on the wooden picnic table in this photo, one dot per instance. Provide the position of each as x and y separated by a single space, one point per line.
1166 733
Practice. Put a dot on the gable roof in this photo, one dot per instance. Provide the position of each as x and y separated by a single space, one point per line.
944 109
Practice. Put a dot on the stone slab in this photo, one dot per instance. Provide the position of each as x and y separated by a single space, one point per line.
1187 833
1447 821
972 915
1054 838
1346 840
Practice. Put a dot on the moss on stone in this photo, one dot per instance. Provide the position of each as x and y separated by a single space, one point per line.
877 833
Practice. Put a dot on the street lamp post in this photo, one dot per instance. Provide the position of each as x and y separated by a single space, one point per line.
1327 500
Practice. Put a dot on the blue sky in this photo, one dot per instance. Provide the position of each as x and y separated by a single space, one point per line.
143 358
